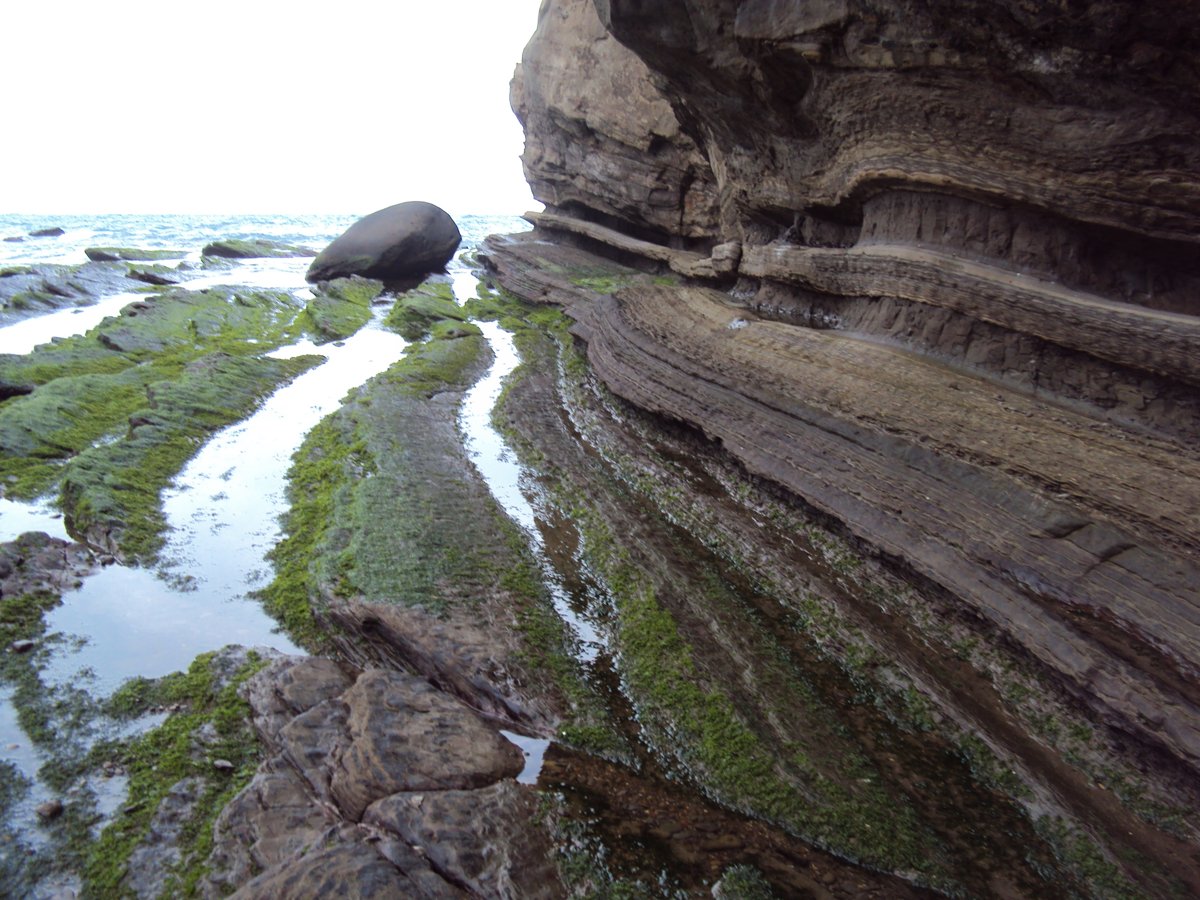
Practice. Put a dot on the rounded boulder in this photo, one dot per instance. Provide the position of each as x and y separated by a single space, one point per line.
402 241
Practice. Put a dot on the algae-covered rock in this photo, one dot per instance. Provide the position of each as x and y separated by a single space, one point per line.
416 311
339 308
256 248
402 241
130 254
47 232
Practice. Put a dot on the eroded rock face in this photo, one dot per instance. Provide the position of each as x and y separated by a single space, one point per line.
808 107
407 736
343 742
600 137
402 241
855 147
1009 190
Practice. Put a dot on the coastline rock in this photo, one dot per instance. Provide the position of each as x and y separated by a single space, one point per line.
159 276
405 735
37 562
130 254
949 303
481 838
341 743
600 136
48 232
256 248
28 290
402 241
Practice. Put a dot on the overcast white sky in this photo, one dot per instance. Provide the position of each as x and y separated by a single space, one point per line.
260 105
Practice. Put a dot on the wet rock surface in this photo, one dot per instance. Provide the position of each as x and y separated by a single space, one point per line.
36 562
30 290
971 356
402 241
418 762
1059 635
258 248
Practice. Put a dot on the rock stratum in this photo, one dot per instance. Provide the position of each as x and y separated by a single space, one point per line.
934 280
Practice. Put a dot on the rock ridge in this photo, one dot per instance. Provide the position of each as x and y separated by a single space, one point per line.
942 293
376 784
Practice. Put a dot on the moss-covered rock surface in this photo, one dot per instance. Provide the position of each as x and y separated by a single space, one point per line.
115 412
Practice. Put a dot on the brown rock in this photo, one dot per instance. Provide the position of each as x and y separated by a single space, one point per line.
343 743
274 819
354 871
49 810
599 138
405 735
481 839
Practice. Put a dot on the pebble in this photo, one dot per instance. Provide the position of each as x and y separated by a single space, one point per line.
51 809
21 646
223 765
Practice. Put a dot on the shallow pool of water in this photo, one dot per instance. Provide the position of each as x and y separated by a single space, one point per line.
505 476
223 510
17 518
21 337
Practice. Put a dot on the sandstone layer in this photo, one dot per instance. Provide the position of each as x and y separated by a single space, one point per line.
377 785
936 282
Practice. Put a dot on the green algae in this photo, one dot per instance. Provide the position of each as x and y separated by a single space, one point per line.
163 757
59 721
700 723
320 473
54 719
111 492
821 789
342 306
416 312
148 386
131 254
356 532
385 507
255 248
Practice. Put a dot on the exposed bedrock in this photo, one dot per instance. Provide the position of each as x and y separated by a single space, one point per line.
600 138
943 290
371 779
1008 165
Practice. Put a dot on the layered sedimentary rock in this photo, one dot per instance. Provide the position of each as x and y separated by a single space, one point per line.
941 286
600 138
370 781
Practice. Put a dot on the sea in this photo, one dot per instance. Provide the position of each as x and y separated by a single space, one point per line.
191 232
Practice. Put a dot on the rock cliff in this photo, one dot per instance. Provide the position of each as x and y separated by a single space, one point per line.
937 284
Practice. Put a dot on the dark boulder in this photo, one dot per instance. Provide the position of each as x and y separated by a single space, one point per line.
402 241
47 232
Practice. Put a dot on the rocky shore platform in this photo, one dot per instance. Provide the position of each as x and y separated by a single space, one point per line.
856 411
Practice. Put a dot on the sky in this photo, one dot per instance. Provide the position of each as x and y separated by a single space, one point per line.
260 106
